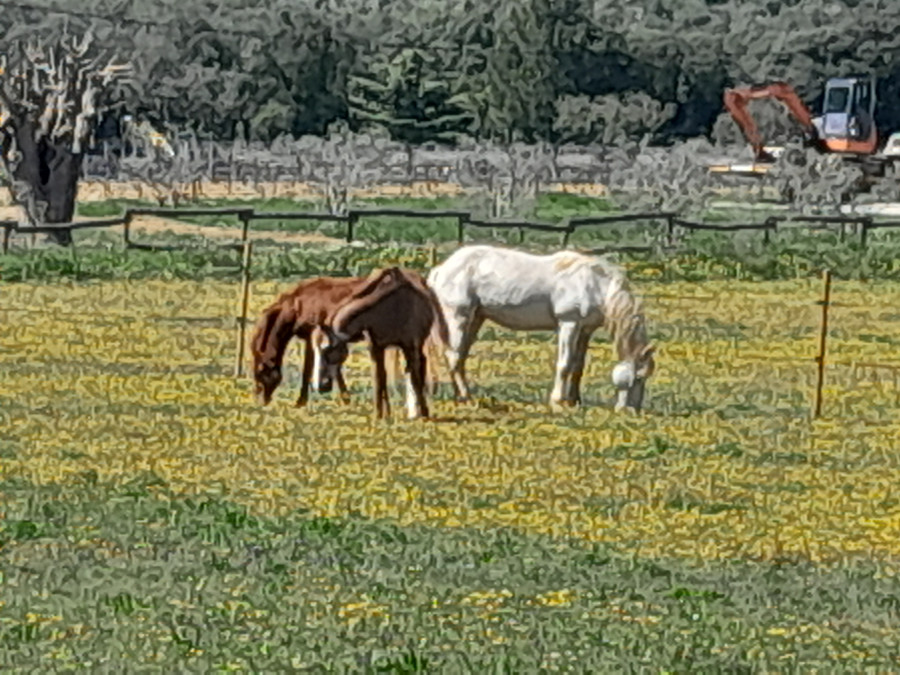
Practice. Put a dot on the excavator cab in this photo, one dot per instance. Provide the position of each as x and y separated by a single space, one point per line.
847 123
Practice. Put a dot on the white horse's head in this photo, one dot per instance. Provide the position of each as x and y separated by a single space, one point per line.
630 377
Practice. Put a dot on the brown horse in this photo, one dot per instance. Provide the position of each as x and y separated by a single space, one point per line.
395 308
295 314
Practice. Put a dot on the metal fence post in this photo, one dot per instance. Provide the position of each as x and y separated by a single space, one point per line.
865 223
823 332
242 319
7 231
351 226
770 224
126 230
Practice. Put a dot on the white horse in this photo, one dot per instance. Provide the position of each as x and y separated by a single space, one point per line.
567 291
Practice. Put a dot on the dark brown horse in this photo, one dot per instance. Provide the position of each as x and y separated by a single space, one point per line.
295 314
394 308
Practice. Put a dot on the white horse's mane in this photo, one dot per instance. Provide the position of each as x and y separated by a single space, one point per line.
624 310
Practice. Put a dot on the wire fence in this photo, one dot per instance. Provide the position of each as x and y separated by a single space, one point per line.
670 225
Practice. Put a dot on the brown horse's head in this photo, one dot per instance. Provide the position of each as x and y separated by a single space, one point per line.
267 376
267 347
331 350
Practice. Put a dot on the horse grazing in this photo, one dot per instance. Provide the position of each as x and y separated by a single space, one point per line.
566 291
395 308
295 314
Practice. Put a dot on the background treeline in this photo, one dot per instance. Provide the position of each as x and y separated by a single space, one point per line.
562 71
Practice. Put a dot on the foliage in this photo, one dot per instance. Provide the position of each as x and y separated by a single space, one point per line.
407 95
497 72
613 119
674 179
811 180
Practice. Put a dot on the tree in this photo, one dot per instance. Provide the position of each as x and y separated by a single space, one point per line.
406 94
505 71
48 104
610 119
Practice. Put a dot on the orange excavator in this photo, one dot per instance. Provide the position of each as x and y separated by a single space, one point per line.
846 126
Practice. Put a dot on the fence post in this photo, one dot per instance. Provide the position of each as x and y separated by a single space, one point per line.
569 230
351 225
7 231
461 228
126 230
670 230
231 170
823 332
864 231
771 224
242 319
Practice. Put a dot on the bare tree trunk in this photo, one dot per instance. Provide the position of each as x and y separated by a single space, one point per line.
45 181
48 96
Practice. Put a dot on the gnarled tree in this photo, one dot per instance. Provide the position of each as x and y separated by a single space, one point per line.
49 100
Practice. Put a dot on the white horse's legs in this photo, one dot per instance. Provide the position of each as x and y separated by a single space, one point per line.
581 347
462 328
565 361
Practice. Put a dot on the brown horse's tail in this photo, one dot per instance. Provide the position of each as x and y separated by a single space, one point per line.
439 336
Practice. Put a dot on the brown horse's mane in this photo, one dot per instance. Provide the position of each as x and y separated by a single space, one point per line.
288 308
382 283
369 295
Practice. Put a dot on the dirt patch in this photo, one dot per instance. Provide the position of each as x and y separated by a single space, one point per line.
154 225
157 225
95 191
10 213
100 191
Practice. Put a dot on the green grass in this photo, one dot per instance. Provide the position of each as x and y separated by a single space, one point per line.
702 256
552 208
107 577
194 261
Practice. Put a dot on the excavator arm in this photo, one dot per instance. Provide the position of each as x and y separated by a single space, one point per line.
738 100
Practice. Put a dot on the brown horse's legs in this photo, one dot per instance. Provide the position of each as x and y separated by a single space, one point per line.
416 368
420 389
307 374
382 405
397 372
342 387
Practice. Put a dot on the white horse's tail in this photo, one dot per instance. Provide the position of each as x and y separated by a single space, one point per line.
436 343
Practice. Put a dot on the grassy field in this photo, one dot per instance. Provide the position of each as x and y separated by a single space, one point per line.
153 513
699 256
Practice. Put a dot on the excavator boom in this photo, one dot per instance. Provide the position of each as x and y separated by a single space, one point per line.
738 100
